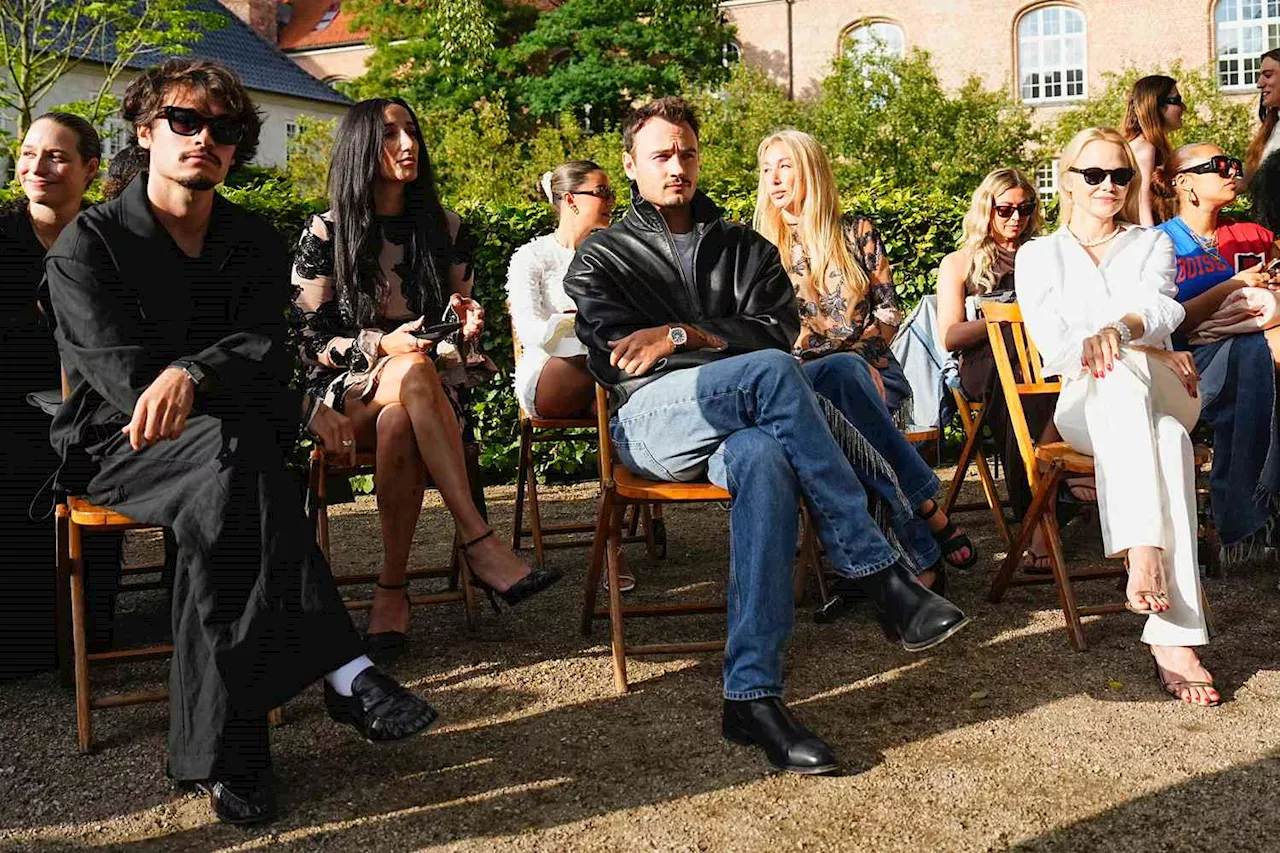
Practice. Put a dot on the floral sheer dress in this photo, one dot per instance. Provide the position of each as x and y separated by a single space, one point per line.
342 360
858 332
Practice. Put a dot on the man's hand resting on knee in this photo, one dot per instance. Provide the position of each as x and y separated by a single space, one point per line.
162 410
638 352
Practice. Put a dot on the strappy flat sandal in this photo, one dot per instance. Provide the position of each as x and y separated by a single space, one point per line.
626 582
1159 595
1172 688
1038 564
951 540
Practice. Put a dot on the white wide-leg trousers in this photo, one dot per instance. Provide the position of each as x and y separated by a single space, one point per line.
1135 423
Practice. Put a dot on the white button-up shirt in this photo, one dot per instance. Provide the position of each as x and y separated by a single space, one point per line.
1065 298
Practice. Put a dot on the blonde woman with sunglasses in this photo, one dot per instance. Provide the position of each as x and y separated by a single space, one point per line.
1099 300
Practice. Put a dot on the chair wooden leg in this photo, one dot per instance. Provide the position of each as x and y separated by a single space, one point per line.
633 525
1058 561
973 435
320 494
62 595
1039 503
535 515
992 495
598 544
79 640
522 471
617 637
650 544
275 717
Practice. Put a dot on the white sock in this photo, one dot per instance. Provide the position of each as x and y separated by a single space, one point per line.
340 679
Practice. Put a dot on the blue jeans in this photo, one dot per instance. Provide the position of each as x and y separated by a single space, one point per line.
753 426
845 380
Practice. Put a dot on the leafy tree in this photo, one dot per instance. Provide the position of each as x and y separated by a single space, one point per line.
890 118
308 155
1211 115
595 57
43 40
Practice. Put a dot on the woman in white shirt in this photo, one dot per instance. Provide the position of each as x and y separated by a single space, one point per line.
1265 140
551 376
1099 300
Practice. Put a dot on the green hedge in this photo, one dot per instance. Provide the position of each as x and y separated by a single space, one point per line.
918 229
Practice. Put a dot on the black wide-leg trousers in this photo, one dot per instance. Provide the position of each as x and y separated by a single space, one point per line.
256 615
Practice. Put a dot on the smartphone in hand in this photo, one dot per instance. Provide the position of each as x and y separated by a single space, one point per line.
438 332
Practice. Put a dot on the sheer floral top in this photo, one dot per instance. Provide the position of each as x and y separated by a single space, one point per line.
859 333
343 361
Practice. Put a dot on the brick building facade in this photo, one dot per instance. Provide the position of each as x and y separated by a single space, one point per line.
1045 53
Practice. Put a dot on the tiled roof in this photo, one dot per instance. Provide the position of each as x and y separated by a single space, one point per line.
301 32
261 65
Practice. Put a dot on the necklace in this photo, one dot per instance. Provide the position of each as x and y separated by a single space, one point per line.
1089 244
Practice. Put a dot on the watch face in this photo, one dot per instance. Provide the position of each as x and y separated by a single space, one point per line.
678 336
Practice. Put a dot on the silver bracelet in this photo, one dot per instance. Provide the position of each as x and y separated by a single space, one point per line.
1122 329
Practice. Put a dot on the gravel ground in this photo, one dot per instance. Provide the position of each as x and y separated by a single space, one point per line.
1001 739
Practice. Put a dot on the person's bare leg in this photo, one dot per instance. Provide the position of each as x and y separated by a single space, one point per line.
565 389
400 483
411 380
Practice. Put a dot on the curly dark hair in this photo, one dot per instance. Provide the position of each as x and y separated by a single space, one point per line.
672 109
215 82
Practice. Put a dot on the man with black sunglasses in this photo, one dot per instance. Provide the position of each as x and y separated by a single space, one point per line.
170 303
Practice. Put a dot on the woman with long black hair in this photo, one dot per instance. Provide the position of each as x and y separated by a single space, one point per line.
371 276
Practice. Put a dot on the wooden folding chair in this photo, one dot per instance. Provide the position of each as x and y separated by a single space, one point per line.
458 572
1006 320
74 518
972 419
619 489
534 431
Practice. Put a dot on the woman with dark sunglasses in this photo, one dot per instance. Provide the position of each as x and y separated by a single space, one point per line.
1003 215
1099 301
1232 328
371 277
1154 109
551 379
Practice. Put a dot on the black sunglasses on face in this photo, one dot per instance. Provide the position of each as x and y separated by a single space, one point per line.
185 121
1221 164
602 193
1171 101
1004 211
1094 176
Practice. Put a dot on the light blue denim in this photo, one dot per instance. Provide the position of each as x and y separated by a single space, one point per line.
845 380
752 424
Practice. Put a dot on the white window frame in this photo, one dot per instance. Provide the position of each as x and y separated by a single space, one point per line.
1242 31
115 137
731 53
873 25
1060 40
1048 170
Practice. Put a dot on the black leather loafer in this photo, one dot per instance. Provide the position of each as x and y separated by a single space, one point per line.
908 611
239 803
379 708
768 724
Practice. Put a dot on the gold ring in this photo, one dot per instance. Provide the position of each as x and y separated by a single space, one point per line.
347 442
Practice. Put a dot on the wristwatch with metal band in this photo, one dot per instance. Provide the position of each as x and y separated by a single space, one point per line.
194 370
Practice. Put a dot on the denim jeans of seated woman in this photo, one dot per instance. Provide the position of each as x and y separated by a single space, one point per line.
845 380
753 425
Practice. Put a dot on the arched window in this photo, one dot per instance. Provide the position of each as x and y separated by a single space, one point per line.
1243 31
875 35
731 53
1051 54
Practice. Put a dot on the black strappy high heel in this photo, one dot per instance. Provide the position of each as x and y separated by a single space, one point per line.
387 646
528 586
950 539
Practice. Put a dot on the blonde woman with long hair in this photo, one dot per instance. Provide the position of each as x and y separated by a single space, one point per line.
848 313
1099 299
1003 215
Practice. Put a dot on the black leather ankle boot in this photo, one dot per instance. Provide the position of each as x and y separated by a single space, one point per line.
910 612
768 724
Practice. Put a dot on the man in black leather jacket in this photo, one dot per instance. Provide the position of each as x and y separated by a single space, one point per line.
689 321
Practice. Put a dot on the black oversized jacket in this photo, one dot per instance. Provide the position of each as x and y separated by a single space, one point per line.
629 277
128 303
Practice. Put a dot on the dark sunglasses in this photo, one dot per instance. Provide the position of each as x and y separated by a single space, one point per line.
1221 164
1171 101
185 121
1094 176
602 193
1004 211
